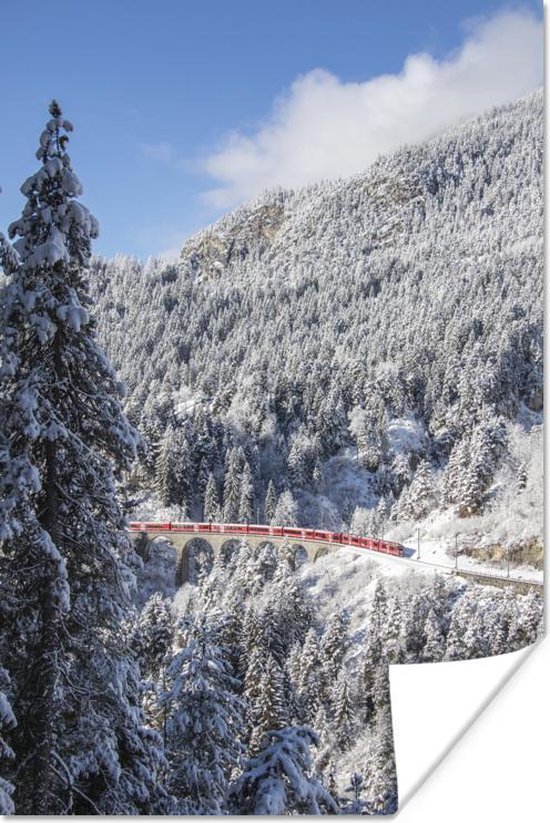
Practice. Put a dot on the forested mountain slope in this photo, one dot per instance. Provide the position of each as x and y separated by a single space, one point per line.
372 346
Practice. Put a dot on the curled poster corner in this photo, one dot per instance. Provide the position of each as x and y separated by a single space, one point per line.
440 709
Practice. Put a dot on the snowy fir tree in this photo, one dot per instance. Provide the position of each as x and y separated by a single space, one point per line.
270 708
286 511
308 676
335 644
270 504
355 804
343 711
66 559
7 721
232 488
152 634
246 501
204 722
434 647
211 500
279 780
380 771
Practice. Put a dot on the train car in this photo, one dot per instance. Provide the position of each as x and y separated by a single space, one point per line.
256 528
156 527
185 527
234 528
135 527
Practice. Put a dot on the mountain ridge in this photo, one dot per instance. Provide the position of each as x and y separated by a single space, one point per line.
300 327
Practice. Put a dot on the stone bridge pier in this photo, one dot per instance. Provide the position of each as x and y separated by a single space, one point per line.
194 551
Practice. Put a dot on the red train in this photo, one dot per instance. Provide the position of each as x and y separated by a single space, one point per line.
343 538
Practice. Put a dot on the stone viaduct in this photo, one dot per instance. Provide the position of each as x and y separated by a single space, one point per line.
195 547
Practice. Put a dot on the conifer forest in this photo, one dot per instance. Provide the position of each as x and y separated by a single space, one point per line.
362 357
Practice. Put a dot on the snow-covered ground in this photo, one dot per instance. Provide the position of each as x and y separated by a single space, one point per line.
441 534
436 553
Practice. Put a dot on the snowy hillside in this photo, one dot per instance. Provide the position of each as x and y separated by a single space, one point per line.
314 644
363 352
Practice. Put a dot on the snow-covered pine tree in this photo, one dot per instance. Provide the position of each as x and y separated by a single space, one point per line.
526 622
434 648
232 487
393 643
420 494
294 607
279 780
380 770
286 512
376 620
343 711
211 500
355 804
270 709
7 722
204 722
246 500
415 612
152 634
255 672
270 504
173 469
65 552
317 476
334 644
166 480
308 680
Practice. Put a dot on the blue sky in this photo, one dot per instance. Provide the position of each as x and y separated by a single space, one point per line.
175 102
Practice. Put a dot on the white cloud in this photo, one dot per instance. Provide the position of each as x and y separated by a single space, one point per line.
325 128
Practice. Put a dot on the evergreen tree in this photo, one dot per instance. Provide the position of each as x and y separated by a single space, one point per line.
317 477
173 469
415 613
393 644
380 771
7 721
167 481
232 487
376 620
286 513
335 644
434 647
204 722
66 556
355 805
420 494
152 634
211 500
343 712
270 709
279 779
253 682
525 625
309 681
270 504
247 497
